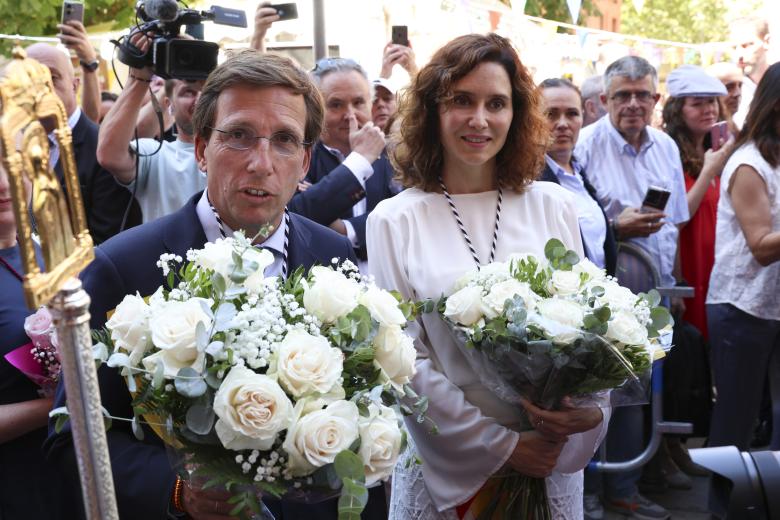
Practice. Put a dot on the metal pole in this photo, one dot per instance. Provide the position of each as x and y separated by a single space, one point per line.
320 45
659 428
70 312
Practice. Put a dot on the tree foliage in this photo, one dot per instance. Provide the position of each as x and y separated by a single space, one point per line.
688 21
40 17
558 10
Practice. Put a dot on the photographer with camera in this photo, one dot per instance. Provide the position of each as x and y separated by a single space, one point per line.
73 35
166 174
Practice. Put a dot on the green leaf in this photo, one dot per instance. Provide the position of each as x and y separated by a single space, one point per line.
200 419
661 317
138 431
653 298
353 499
189 383
552 249
349 466
201 336
602 313
62 415
159 376
218 283
597 291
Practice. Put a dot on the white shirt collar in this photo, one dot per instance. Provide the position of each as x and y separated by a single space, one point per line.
211 228
74 118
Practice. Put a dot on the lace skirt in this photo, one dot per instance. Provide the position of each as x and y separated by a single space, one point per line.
410 499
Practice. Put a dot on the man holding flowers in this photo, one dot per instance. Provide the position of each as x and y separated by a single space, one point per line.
254 125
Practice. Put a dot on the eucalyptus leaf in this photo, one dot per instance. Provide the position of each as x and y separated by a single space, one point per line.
238 276
212 380
224 316
349 466
189 383
602 313
201 336
234 291
218 283
100 352
550 248
238 261
159 376
215 347
353 499
597 291
138 431
200 419
118 359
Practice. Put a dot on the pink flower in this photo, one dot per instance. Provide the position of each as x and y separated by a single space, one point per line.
39 328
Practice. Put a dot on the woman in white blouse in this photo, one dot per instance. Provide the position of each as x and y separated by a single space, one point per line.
743 302
472 140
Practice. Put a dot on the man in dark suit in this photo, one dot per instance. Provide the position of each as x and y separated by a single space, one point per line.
349 156
105 201
254 120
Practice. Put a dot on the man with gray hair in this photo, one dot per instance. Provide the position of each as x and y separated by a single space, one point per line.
351 153
625 157
592 107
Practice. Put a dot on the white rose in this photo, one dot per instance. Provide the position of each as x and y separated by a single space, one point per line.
625 328
316 438
173 326
380 442
616 296
331 296
567 314
564 283
129 326
255 283
464 280
252 410
506 290
217 256
395 356
307 364
594 272
465 306
383 306
494 270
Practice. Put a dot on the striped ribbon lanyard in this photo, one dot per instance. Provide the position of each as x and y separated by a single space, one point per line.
462 227
286 221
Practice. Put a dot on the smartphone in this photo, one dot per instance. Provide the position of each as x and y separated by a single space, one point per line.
400 35
72 11
655 199
719 133
286 11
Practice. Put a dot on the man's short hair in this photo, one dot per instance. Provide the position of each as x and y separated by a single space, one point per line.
327 66
759 23
632 67
592 86
255 69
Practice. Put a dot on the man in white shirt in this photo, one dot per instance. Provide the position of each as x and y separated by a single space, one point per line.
167 173
624 156
750 36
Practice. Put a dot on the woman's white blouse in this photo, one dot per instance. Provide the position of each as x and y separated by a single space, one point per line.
737 278
416 247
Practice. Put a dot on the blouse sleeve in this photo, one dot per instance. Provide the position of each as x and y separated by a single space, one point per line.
464 433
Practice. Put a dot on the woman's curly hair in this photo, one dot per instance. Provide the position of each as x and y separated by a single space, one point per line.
418 157
675 127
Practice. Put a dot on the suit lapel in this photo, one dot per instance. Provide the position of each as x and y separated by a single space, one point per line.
300 251
184 231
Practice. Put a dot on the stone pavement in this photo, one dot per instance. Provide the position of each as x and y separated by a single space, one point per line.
690 504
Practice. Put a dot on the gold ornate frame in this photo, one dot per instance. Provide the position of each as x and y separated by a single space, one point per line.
27 97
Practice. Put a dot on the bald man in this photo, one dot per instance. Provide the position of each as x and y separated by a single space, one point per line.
731 76
105 201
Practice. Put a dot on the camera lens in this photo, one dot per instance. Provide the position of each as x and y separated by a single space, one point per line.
185 57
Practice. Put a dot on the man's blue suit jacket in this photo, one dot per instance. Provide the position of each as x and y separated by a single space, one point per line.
124 265
336 189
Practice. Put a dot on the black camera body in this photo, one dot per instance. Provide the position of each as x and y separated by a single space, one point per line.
169 56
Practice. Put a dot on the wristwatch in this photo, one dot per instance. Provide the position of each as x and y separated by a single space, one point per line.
91 66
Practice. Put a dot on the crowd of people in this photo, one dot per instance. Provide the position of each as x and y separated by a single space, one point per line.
472 161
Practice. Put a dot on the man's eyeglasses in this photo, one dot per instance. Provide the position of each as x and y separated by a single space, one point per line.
281 143
625 96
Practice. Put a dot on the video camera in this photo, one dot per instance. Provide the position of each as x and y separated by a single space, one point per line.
169 56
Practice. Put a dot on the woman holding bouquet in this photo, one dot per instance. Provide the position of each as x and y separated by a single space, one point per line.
472 139
29 487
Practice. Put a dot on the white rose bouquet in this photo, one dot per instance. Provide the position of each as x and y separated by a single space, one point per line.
554 328
268 386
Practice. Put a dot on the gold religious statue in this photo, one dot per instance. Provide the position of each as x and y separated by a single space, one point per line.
27 98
